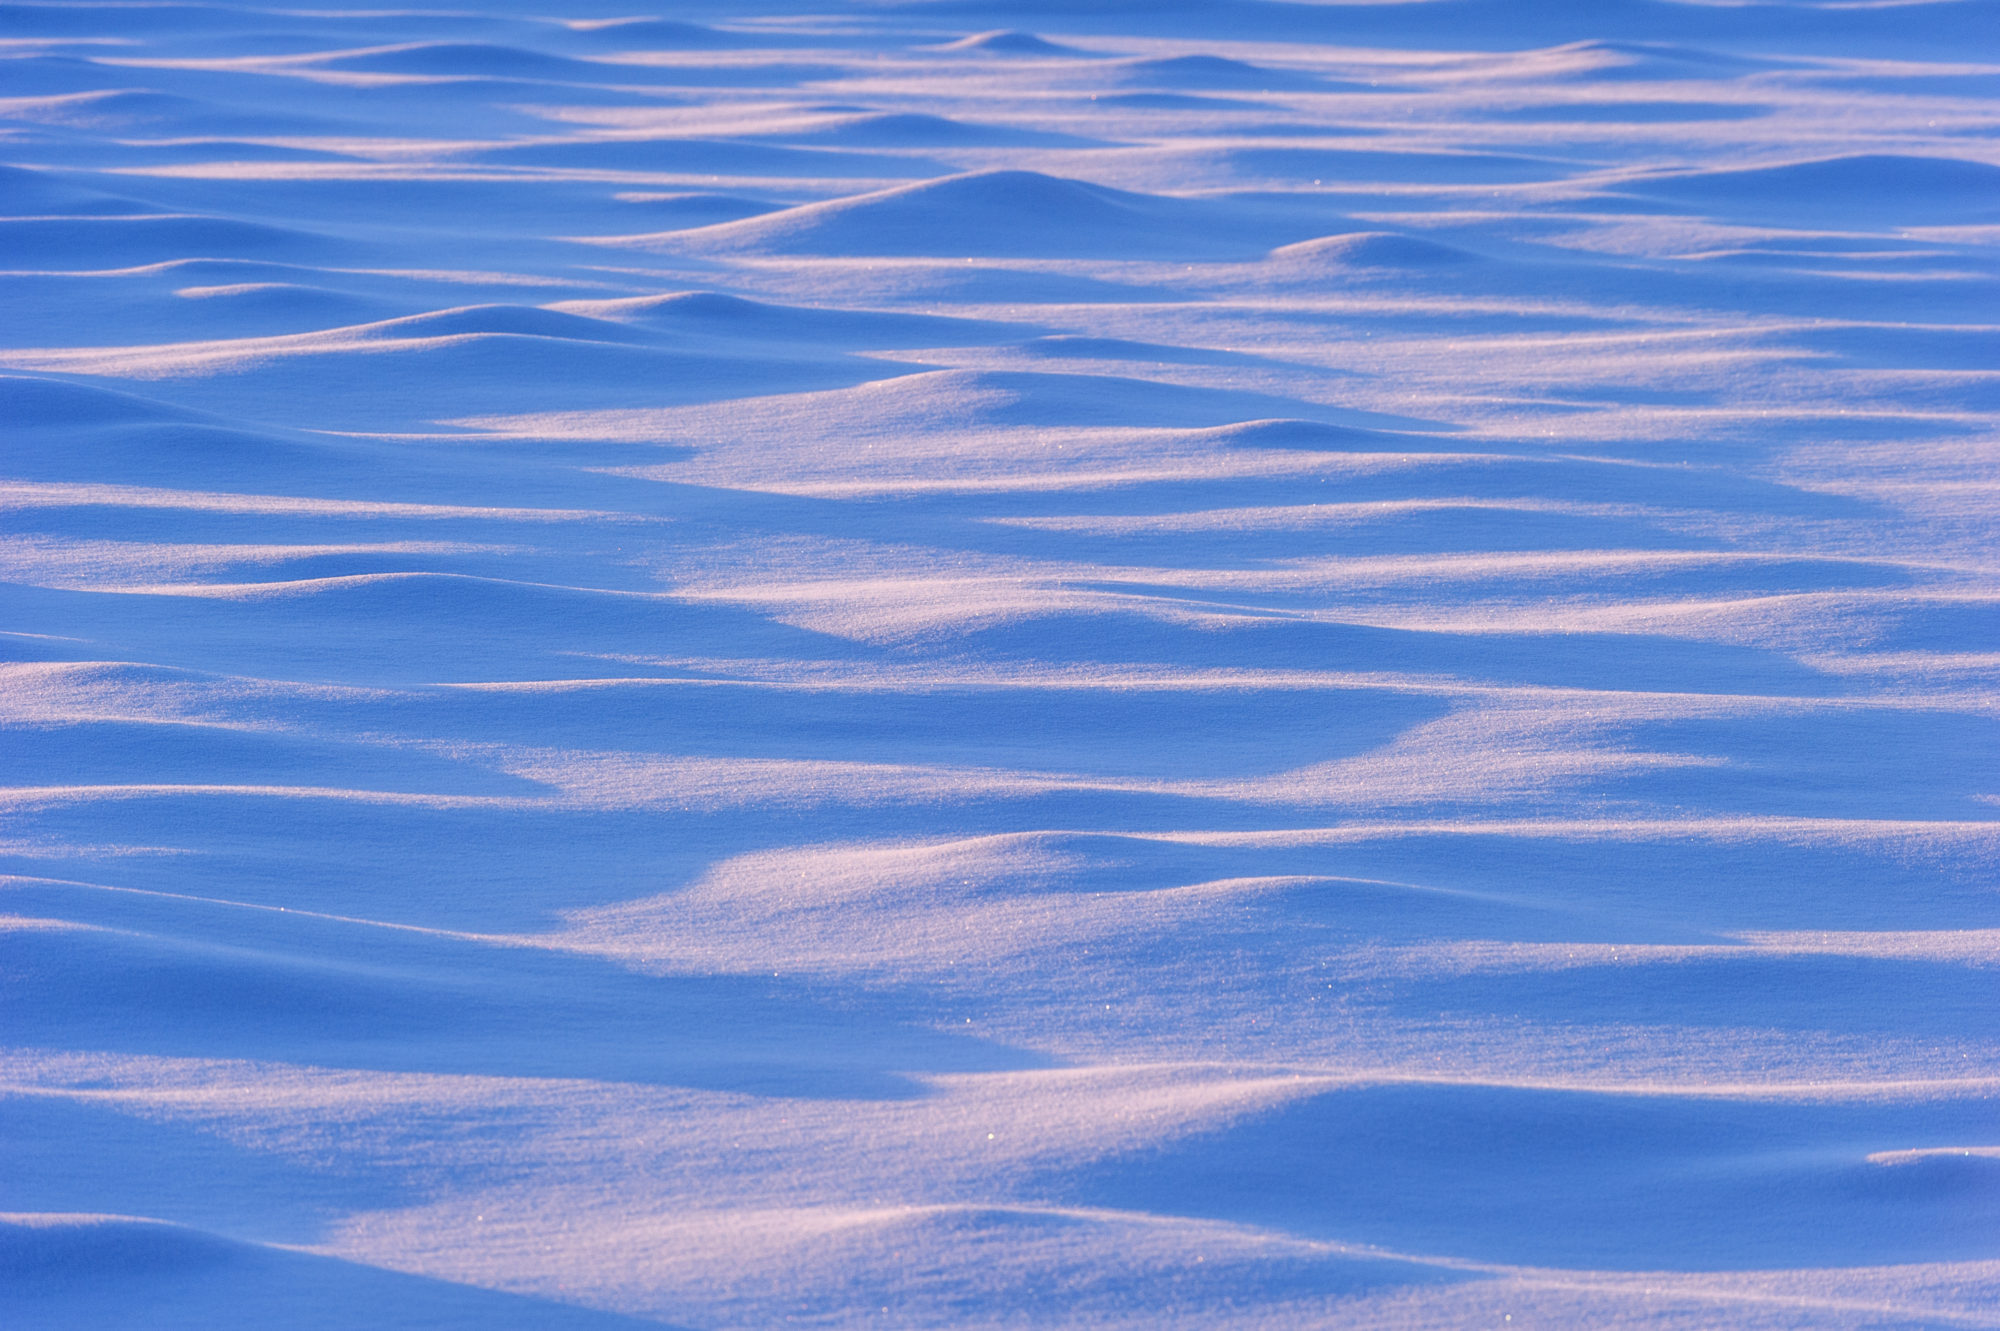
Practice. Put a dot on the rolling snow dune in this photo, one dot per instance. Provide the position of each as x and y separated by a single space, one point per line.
1011 214
1179 665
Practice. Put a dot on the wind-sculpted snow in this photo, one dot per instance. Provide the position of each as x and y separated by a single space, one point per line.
1177 664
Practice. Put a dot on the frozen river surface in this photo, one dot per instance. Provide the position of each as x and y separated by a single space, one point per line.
963 664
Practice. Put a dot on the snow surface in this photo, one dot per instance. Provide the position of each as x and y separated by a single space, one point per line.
955 663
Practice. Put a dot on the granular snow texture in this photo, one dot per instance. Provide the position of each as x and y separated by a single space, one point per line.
942 663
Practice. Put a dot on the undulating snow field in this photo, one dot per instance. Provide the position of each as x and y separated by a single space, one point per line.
1162 664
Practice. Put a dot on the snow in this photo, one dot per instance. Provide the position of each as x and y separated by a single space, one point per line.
940 663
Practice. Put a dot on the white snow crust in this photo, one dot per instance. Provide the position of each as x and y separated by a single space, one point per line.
945 663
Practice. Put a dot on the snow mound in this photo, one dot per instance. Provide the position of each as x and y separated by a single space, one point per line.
712 314
1867 189
466 60
1659 61
989 213
1370 249
285 306
506 320
41 404
1004 41
99 242
66 1250
1316 436
1213 72
62 1270
1506 1210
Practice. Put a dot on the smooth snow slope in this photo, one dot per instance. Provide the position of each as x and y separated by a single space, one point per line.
1173 664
